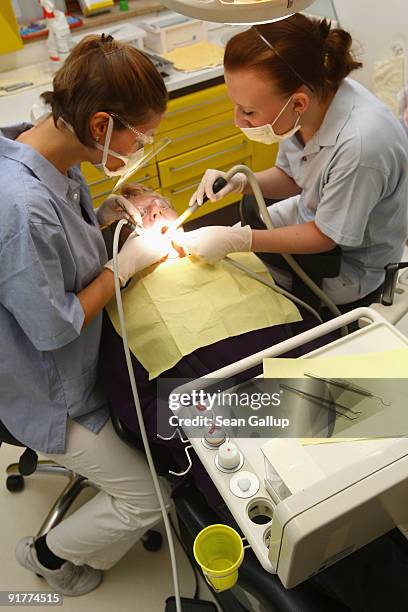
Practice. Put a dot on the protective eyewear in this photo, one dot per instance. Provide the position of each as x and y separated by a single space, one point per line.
159 202
143 138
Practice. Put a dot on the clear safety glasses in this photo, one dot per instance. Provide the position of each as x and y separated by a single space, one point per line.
159 202
144 139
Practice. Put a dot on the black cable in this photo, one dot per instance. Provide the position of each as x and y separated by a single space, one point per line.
191 561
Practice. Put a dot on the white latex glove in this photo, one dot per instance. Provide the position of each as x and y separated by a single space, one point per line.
214 242
139 252
111 210
236 185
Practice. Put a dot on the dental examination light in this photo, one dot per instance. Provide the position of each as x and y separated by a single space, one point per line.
238 11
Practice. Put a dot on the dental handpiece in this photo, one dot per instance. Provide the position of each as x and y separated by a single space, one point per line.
132 223
219 184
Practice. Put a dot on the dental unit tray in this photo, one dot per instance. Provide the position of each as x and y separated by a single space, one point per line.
304 507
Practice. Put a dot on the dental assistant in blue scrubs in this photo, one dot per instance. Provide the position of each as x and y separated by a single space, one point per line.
55 279
341 172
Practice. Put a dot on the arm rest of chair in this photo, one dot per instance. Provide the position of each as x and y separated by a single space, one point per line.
394 300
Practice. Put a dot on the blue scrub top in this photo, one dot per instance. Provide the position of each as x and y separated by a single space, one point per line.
354 181
51 247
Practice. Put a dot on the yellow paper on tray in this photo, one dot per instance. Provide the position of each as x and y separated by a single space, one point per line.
196 57
182 305
384 364
391 364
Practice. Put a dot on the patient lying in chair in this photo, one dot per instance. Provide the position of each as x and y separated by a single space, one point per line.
185 319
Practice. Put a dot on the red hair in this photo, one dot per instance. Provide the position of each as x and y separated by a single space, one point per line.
319 56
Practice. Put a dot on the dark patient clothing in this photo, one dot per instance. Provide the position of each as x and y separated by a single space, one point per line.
203 361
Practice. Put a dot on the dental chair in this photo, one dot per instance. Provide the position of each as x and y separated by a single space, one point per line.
29 464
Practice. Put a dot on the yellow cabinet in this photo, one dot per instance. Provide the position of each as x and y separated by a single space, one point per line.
192 136
263 156
195 107
181 168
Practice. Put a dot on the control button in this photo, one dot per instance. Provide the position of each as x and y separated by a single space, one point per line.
215 436
229 456
244 484
215 440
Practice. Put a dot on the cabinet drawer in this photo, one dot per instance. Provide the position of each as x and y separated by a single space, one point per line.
180 195
263 156
194 107
101 186
152 183
201 133
182 168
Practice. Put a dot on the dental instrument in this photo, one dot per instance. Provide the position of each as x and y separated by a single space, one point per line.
272 285
348 386
139 414
135 226
297 269
322 401
190 210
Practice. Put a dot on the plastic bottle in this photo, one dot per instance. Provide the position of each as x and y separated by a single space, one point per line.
51 42
59 42
62 35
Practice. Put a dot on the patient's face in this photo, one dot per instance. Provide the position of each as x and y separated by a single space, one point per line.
156 212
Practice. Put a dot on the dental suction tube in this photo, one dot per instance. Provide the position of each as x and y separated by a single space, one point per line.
289 258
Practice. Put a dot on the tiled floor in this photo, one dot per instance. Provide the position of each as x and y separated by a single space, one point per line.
140 582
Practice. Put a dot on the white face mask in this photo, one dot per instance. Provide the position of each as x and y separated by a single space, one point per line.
130 161
267 135
39 112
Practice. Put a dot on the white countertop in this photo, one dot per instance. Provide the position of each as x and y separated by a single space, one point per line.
15 107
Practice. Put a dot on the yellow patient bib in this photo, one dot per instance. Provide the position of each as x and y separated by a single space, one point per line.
182 305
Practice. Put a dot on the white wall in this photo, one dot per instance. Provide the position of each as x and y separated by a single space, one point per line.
376 26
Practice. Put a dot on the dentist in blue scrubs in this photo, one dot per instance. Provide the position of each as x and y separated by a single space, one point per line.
55 279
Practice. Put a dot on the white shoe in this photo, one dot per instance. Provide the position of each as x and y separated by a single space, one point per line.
69 579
